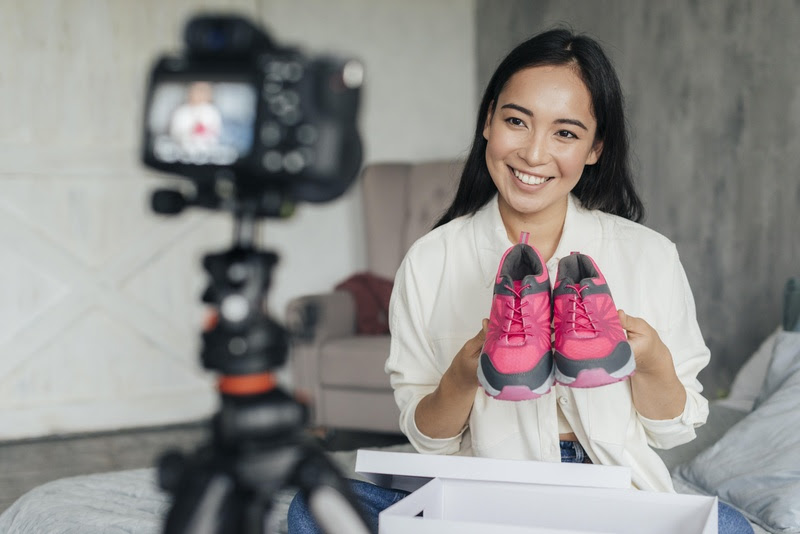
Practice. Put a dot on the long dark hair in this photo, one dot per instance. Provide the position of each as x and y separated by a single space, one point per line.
608 184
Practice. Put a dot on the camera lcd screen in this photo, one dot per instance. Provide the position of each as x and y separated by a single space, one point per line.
201 122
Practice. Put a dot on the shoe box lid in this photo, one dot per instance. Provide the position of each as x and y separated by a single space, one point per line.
410 471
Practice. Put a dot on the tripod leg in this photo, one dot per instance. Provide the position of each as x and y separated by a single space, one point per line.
204 502
330 500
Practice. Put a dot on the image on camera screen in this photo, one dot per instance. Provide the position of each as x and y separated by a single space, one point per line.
201 122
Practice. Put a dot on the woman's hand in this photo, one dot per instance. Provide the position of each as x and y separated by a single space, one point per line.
650 352
657 392
463 369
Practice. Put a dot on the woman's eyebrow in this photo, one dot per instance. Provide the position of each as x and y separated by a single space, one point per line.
526 111
574 122
529 113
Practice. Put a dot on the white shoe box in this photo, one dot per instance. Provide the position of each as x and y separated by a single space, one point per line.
465 495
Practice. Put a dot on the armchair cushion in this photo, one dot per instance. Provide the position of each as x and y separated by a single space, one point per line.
355 361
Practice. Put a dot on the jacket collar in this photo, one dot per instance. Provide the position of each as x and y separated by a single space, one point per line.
580 232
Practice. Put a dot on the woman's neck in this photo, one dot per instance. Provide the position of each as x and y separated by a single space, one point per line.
545 227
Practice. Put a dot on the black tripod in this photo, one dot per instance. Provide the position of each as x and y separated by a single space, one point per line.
257 443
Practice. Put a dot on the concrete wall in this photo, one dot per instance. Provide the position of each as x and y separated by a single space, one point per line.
713 101
99 305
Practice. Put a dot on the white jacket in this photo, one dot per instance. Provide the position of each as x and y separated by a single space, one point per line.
442 291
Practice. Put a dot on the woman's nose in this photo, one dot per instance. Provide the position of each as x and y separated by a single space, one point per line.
534 150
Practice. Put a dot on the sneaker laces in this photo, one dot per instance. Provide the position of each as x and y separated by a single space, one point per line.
579 318
517 326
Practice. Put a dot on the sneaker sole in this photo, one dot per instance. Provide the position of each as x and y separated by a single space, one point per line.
615 367
516 386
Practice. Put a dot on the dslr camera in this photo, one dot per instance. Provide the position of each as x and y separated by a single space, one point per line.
254 126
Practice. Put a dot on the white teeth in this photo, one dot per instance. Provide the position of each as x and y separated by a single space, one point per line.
528 179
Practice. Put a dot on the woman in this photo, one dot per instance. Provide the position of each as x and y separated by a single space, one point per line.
549 158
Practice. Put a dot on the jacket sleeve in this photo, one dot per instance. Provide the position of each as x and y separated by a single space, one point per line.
412 366
690 355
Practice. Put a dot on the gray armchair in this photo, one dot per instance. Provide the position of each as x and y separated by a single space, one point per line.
340 371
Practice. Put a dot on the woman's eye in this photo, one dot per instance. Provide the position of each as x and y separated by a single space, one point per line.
566 134
514 121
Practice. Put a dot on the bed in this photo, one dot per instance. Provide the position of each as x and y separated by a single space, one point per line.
748 454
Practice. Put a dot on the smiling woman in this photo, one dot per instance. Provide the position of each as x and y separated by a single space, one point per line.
550 160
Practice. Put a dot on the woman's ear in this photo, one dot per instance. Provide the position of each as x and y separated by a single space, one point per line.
487 124
594 154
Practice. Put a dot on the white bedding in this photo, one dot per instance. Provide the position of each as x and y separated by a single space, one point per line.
124 502
111 503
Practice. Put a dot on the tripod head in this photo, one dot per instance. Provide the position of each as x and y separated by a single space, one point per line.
240 337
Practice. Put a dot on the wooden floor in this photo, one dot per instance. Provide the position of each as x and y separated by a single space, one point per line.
27 464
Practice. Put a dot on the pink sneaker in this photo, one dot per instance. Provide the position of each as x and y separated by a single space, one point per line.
516 362
591 348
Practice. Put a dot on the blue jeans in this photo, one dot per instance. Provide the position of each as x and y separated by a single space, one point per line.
374 499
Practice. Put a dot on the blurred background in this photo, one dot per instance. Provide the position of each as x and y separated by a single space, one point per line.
100 300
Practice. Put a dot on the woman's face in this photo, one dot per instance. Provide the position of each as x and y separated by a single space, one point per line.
539 137
200 93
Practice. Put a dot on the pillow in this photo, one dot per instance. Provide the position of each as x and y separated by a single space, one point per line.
720 419
755 466
748 382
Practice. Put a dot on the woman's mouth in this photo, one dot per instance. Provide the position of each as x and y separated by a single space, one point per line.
530 179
